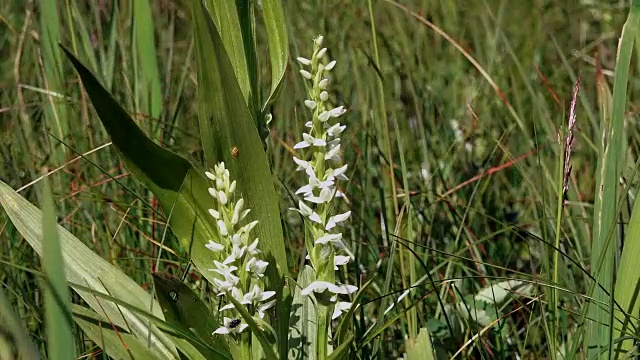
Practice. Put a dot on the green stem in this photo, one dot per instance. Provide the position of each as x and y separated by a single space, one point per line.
322 316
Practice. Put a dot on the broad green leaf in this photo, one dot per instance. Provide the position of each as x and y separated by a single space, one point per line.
275 26
226 17
598 339
115 341
179 187
60 344
303 330
14 339
183 308
83 266
420 348
228 134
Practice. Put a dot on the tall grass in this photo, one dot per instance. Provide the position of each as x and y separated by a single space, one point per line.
455 114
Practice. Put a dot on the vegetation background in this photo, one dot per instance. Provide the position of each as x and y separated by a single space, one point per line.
458 104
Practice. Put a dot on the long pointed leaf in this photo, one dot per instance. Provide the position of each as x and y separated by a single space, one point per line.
278 46
179 187
57 300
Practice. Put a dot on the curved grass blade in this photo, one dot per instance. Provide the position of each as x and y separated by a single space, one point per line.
60 344
83 266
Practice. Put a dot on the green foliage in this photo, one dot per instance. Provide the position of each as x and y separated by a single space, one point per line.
460 245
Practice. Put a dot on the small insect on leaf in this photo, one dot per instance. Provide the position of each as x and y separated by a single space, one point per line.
173 295
234 323
235 151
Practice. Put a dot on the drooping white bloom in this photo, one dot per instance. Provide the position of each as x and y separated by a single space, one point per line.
321 286
339 308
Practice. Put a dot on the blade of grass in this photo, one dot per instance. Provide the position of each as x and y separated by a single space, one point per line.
278 43
145 56
599 335
57 300
226 18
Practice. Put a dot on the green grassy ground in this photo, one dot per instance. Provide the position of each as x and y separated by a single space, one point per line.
462 113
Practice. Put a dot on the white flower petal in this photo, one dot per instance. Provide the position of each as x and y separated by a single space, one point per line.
342 289
324 96
304 61
335 220
328 238
222 331
316 286
335 112
321 53
318 40
266 295
339 308
302 164
214 213
227 307
214 246
341 260
210 175
323 83
330 66
324 116
305 74
310 104
222 228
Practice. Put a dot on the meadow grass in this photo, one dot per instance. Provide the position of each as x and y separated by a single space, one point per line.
455 164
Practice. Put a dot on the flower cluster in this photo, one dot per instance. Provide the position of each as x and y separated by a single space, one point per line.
239 270
322 144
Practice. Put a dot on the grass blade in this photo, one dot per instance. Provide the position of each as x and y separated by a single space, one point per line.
226 18
114 341
278 46
611 157
57 301
144 40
